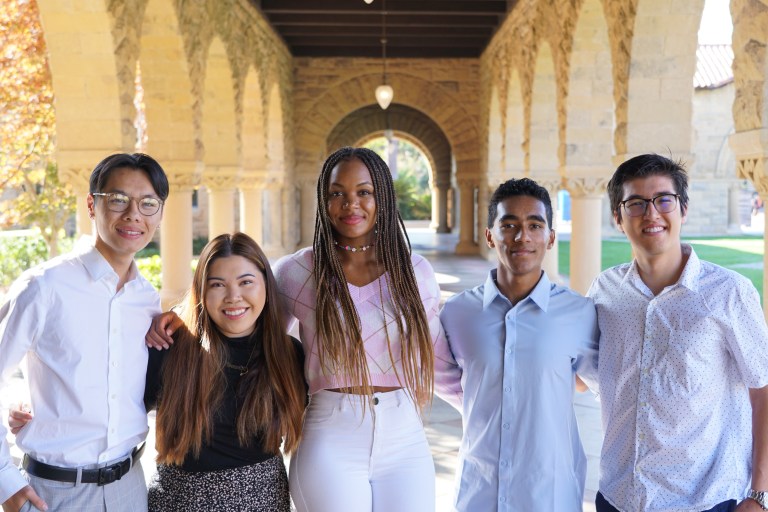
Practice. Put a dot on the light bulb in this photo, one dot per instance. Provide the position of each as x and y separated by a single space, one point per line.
384 95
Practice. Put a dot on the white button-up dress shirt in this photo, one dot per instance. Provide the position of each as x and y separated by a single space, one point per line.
674 374
86 358
520 450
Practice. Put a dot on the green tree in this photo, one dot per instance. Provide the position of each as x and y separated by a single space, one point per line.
34 196
414 197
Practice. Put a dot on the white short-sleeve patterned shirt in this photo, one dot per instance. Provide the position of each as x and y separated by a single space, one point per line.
674 373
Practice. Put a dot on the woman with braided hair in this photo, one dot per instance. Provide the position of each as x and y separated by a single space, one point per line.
367 312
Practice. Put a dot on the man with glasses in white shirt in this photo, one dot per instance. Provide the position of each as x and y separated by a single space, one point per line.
81 319
683 352
518 341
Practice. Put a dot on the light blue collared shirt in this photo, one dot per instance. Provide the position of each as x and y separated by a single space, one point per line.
521 449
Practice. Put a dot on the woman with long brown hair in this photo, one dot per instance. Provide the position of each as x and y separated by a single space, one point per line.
367 312
229 391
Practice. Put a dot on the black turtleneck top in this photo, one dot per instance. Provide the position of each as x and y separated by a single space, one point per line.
224 450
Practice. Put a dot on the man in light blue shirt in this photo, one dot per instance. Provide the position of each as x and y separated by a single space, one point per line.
519 341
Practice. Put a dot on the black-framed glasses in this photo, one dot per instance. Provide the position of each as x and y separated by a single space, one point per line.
118 202
637 206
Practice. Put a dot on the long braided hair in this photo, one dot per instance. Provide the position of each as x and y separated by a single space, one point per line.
341 347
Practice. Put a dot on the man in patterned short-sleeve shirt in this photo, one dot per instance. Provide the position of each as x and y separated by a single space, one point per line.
683 362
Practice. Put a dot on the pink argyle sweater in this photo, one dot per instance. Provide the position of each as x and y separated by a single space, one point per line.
297 288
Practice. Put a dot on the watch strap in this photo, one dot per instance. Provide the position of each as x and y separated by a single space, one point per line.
761 497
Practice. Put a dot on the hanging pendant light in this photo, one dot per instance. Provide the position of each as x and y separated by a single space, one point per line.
384 93
368 1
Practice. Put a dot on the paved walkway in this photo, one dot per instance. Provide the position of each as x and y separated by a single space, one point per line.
443 423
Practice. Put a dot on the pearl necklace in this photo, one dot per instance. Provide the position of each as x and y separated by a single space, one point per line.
352 249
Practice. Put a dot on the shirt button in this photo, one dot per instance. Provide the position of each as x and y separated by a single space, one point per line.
508 351
114 364
506 425
503 499
114 396
112 430
643 404
503 463
641 436
507 389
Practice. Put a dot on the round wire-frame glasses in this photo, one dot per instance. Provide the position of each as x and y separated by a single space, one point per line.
118 202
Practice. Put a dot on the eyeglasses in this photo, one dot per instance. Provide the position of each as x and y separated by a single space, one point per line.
637 206
117 202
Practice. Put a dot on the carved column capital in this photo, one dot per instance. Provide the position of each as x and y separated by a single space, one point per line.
306 180
553 183
77 177
586 186
251 181
751 149
221 177
274 183
182 176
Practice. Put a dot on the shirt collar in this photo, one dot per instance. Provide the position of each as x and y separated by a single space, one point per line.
539 295
689 278
96 265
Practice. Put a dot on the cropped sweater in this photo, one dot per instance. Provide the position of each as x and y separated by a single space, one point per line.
372 301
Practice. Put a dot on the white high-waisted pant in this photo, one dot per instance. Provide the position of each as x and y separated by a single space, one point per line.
350 462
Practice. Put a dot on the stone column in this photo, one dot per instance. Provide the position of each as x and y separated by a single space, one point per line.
176 232
221 183
442 208
78 180
291 216
435 221
751 150
483 196
734 217
586 230
273 227
467 243
308 199
75 168
551 260
251 206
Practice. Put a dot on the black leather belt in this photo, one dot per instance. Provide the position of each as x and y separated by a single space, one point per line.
99 476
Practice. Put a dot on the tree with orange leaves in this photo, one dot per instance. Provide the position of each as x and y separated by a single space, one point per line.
32 195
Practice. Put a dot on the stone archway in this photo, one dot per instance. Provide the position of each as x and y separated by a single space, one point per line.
418 127
331 105
89 115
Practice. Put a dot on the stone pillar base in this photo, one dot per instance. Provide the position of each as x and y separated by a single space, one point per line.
466 248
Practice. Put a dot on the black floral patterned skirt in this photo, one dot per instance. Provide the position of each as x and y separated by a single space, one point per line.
260 487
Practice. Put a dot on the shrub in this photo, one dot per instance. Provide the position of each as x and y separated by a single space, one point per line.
152 270
18 253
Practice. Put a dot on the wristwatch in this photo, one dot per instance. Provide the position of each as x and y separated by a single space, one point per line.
761 497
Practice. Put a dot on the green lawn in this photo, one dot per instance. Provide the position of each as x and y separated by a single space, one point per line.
737 253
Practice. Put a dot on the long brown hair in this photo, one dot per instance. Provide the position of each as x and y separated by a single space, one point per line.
193 372
340 341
